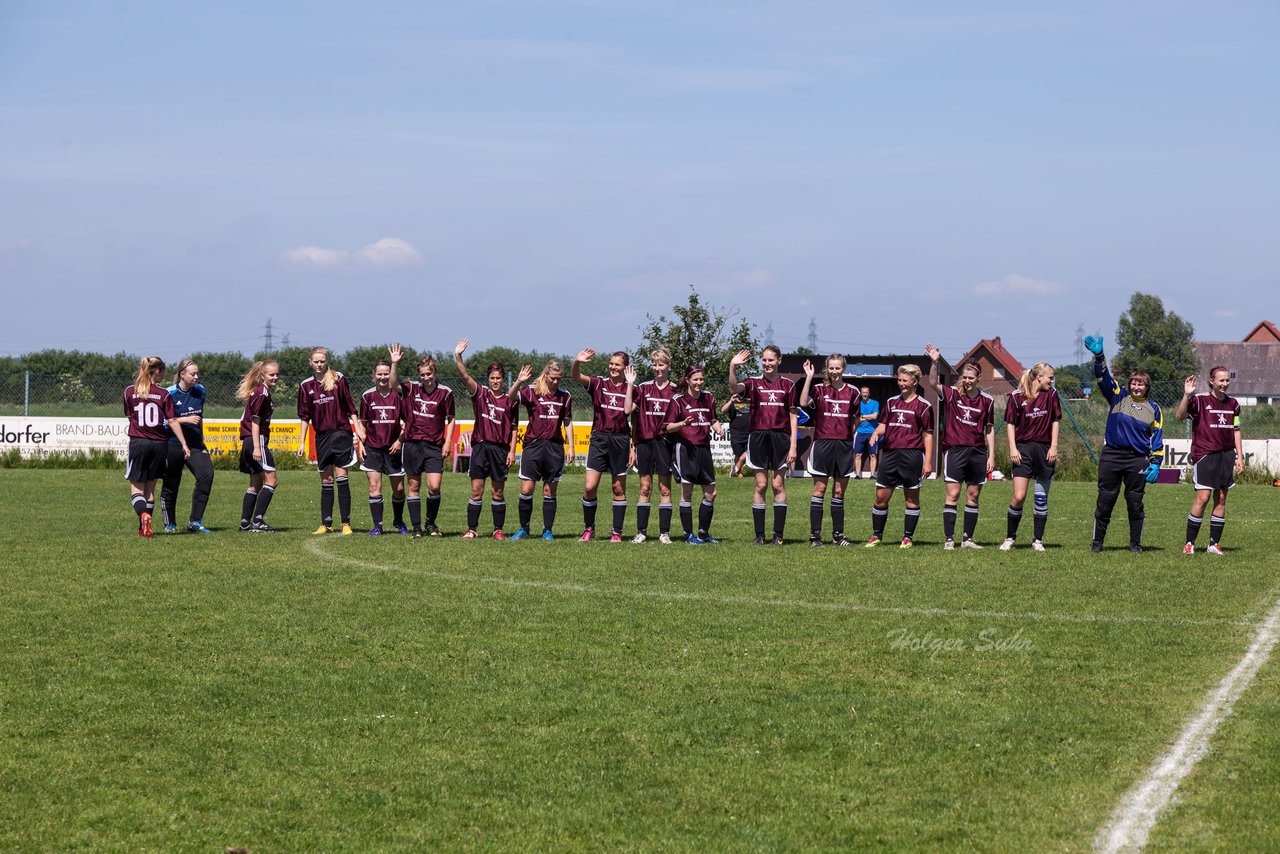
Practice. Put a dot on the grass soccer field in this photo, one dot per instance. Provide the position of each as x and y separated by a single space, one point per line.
292 693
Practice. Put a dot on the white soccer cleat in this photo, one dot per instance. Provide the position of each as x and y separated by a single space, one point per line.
1037 546
639 538
969 544
665 539
949 545
1214 549
1007 545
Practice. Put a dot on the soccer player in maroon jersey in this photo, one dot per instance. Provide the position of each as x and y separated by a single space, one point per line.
835 415
493 446
324 405
647 404
1032 415
149 408
610 449
968 445
771 444
906 458
256 459
380 409
691 419
1217 453
428 413
548 427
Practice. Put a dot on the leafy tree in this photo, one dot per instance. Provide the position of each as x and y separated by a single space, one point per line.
1071 380
698 334
220 374
358 363
1150 339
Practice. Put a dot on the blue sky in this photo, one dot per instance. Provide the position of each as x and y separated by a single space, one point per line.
545 175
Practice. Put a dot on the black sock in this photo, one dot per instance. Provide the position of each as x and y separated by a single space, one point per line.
779 518
151 507
548 512
949 521
686 517
909 519
415 512
664 518
588 513
433 507
1015 517
1216 524
375 510
326 503
263 502
705 511
642 517
525 510
397 512
619 515
473 513
815 517
344 498
246 507
878 518
1038 522
757 516
970 520
139 505
837 516
499 511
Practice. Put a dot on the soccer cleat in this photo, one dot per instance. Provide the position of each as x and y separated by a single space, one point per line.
967 543
262 528
1007 545
815 541
759 541
145 531
346 529
777 540
323 529
587 535
468 534
375 531
1214 549
1188 549
615 537
692 539
906 543
1095 547
665 539
871 543
708 540
639 538
499 535
1136 549
401 529
171 529
520 534
548 536
197 527
841 540
949 545
432 530
1037 546
415 535
245 526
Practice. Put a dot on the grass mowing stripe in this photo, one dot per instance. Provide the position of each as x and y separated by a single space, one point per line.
316 548
1131 823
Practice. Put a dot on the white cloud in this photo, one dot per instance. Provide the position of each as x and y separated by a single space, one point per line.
315 258
1015 284
390 252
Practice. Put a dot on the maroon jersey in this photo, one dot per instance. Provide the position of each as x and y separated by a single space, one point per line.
1033 419
381 416
651 405
607 402
771 402
835 411
547 413
905 423
1213 424
326 410
496 417
260 406
425 413
967 418
701 413
149 413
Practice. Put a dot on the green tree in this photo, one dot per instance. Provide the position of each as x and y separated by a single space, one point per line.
1150 339
358 364
698 334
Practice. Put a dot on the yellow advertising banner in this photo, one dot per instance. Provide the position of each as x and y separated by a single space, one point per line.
222 436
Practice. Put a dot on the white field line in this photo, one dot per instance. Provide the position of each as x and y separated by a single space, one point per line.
1137 812
315 547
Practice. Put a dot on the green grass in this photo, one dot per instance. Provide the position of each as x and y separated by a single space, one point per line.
295 693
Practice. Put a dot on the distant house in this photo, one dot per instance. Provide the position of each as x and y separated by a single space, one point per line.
1254 364
1000 370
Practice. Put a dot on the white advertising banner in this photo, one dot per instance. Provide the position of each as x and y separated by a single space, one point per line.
1257 452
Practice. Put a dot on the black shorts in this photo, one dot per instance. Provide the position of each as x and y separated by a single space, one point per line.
831 458
901 467
862 444
542 460
653 456
738 442
1035 464
693 464
964 464
248 464
609 452
382 460
147 459
335 448
419 457
1215 471
767 450
488 459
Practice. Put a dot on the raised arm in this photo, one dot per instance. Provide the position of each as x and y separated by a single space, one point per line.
513 393
1188 391
808 380
462 366
1106 383
579 360
739 359
931 378
629 405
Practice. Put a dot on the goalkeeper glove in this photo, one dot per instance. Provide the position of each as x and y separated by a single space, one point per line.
1094 345
1152 472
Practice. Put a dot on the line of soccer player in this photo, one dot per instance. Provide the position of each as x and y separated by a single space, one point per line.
661 428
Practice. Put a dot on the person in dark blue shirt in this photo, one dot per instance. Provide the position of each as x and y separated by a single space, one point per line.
188 399
1134 447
